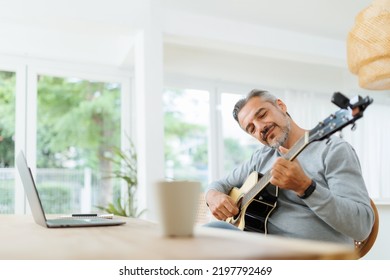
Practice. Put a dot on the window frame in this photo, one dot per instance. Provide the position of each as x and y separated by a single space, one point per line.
27 70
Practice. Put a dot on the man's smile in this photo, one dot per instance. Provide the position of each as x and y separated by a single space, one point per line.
267 131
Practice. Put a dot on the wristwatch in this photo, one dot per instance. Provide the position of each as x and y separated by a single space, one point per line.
310 189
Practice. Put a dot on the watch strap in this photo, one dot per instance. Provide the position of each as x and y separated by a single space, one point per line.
310 189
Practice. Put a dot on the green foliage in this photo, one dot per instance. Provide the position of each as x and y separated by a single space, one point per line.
176 130
78 123
55 198
74 113
186 143
235 153
7 118
176 127
117 208
7 196
125 168
200 155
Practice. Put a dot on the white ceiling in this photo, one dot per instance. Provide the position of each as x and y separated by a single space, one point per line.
101 31
328 18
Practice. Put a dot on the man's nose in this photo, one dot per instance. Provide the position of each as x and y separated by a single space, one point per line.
259 125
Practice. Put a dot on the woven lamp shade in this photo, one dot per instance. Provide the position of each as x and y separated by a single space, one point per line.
368 46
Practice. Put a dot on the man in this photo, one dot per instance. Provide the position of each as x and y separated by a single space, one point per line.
322 194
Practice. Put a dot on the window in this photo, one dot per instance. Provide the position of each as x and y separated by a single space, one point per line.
186 119
78 124
238 145
7 141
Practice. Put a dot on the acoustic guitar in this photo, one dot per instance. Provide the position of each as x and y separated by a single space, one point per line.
257 197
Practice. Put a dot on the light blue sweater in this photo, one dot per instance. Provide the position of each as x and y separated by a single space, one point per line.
338 210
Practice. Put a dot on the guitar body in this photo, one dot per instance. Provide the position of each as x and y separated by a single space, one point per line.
253 216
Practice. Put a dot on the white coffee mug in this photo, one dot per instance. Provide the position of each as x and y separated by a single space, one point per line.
177 206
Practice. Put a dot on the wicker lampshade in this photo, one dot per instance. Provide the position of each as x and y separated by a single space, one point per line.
368 46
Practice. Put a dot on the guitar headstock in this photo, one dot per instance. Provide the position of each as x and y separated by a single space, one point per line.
351 110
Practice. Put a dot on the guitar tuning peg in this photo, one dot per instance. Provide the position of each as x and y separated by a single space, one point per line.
353 128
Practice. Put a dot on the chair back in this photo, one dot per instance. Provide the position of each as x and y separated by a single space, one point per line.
363 247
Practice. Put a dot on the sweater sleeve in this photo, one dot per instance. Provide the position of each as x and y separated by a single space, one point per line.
235 178
342 200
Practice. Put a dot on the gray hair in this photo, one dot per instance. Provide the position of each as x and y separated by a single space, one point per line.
254 93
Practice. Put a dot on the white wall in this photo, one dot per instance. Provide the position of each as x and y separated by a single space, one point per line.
250 69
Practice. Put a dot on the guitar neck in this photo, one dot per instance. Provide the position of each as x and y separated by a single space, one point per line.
298 147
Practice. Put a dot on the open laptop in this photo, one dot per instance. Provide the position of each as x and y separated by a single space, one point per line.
37 209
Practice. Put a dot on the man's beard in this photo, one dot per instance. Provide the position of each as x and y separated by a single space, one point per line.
281 140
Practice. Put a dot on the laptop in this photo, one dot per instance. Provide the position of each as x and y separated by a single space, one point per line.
37 209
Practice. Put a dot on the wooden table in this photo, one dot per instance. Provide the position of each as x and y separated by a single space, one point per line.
21 238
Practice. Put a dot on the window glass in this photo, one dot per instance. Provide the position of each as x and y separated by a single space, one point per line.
7 142
238 145
78 126
186 118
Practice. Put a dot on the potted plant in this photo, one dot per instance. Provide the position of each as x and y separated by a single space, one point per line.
124 168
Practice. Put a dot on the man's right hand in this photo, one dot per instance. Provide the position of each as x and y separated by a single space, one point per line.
221 205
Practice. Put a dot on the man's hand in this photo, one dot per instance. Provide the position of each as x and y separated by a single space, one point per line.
289 175
221 205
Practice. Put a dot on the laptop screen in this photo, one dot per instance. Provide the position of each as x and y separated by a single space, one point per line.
30 189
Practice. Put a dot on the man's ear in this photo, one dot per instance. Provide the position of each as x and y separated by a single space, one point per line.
281 105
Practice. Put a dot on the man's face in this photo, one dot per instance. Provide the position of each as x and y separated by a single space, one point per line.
267 122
